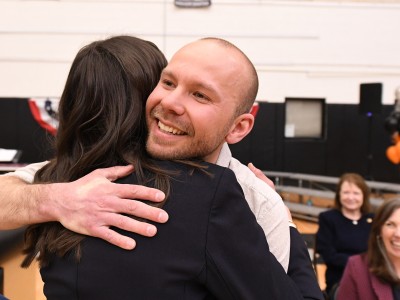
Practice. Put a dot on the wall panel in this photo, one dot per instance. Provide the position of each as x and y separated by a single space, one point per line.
307 48
318 49
349 142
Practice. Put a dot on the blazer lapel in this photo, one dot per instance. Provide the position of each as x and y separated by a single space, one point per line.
382 290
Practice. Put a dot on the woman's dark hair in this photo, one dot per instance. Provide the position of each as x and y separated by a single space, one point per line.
102 123
378 260
358 181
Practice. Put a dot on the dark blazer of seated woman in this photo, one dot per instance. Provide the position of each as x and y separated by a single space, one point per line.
343 230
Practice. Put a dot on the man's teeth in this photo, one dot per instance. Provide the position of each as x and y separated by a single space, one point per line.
172 130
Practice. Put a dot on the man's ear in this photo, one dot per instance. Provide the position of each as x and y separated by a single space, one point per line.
240 128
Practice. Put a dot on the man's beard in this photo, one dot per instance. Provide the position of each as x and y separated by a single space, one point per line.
190 150
193 146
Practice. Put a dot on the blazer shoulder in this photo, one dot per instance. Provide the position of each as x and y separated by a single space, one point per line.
358 259
205 173
370 215
330 214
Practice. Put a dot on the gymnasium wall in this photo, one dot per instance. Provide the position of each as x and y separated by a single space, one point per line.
318 49
352 142
19 130
300 48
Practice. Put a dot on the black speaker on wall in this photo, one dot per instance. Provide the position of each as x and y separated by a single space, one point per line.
370 98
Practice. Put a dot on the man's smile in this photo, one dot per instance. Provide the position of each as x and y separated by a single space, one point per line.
169 129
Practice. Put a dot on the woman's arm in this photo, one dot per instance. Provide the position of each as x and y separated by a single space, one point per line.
325 242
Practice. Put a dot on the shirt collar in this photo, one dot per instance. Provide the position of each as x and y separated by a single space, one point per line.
225 156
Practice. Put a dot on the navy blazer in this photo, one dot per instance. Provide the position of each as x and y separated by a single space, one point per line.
300 268
210 248
337 239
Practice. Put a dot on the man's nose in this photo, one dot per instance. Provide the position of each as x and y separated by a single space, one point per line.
174 101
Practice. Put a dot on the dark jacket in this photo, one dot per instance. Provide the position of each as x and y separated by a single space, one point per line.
337 239
210 248
300 268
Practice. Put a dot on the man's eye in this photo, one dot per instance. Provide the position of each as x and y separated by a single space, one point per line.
167 82
200 96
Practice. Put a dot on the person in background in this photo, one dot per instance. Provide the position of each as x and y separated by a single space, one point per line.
375 274
300 268
343 231
212 246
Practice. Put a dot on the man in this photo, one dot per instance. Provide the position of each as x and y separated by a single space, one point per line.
223 89
203 101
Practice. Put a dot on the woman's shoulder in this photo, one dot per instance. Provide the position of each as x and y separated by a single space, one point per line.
332 213
193 174
181 164
194 167
370 215
199 172
358 262
358 258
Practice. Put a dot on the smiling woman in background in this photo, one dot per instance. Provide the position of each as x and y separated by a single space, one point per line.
343 231
375 275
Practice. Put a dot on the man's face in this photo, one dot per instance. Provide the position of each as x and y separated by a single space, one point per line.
192 108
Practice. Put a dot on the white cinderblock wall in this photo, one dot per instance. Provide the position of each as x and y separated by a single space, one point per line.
301 48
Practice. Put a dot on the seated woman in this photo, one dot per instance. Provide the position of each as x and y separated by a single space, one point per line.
375 275
210 248
343 231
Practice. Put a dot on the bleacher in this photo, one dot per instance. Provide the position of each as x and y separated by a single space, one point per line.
308 195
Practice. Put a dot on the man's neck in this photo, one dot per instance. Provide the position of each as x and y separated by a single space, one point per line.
213 157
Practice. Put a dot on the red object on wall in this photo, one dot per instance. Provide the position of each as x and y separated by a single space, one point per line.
44 112
254 109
